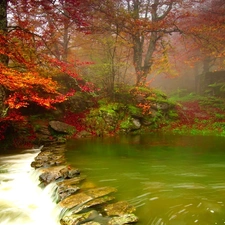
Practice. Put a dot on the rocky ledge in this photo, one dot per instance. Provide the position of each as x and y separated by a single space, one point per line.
81 203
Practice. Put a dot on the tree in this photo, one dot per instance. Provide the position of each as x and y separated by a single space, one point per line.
53 22
201 45
145 24
3 57
111 59
27 58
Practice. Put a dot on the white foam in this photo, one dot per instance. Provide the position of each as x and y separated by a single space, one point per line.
22 201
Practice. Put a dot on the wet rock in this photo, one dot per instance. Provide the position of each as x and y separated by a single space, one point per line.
119 208
37 164
68 187
53 173
62 127
75 200
123 219
92 203
92 223
100 191
50 174
55 162
50 156
86 196
64 192
81 218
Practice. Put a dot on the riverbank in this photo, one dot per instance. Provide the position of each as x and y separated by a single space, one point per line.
135 110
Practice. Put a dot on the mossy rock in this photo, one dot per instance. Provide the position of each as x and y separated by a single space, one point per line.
130 124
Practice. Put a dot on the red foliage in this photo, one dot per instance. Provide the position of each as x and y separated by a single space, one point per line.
77 120
191 111
193 115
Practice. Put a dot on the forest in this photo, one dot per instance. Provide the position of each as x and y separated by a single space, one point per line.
103 67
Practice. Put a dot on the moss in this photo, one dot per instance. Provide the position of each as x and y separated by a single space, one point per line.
173 115
134 110
159 93
143 89
126 124
184 98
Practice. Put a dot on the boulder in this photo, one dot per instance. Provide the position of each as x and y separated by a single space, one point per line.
62 127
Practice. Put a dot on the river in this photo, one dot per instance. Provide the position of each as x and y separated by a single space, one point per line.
172 180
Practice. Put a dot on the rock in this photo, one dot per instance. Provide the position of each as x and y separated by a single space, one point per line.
48 158
100 191
130 124
92 223
62 127
76 219
68 187
124 219
42 163
83 134
64 192
53 173
43 135
91 203
85 196
119 208
50 174
162 106
71 182
75 200
136 123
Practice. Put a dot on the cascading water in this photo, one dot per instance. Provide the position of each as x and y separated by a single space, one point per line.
22 201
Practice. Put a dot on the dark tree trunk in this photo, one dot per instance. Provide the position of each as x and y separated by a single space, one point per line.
3 58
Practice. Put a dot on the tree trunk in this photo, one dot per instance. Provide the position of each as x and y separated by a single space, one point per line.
3 58
143 68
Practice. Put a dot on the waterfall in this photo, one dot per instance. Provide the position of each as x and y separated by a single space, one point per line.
22 201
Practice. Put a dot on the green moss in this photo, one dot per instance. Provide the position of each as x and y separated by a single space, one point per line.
159 93
173 115
213 102
125 124
219 116
134 110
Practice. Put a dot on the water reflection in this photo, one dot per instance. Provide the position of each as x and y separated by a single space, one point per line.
172 180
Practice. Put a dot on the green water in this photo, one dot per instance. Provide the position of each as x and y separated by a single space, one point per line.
175 180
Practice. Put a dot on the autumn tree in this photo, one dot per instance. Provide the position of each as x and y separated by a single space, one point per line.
111 61
34 46
55 22
146 25
201 45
